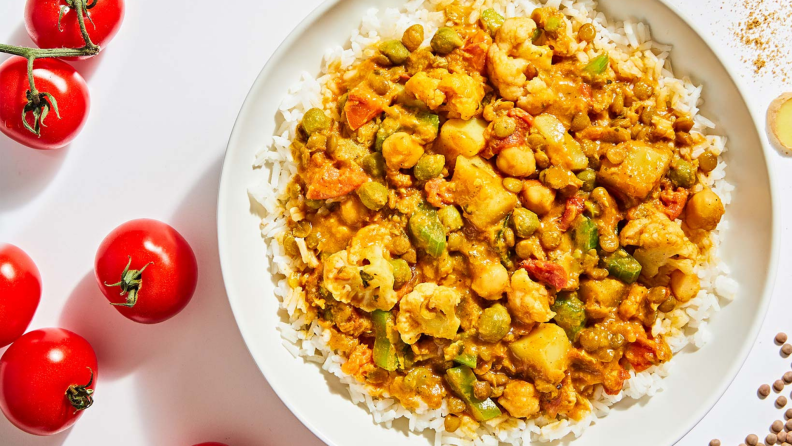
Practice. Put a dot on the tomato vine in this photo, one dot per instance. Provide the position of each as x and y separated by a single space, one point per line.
41 103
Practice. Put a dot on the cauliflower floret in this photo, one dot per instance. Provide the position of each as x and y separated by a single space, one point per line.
463 95
368 287
528 300
429 309
660 242
520 398
511 54
425 88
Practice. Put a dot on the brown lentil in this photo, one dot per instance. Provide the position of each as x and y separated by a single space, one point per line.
782 436
781 401
752 440
452 423
777 426
771 439
788 415
781 338
786 349
587 32
788 377
764 390
778 385
715 442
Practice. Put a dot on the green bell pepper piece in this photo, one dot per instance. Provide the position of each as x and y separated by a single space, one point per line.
385 353
586 234
428 232
467 359
598 65
623 266
570 314
461 380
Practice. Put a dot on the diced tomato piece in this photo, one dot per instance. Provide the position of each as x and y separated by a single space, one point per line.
476 56
517 138
439 192
613 378
646 352
521 114
546 272
574 207
674 202
362 106
334 182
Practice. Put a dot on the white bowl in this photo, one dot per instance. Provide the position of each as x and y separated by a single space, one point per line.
696 381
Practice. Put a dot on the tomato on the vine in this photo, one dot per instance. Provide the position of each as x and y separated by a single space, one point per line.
147 270
49 29
20 292
65 115
47 379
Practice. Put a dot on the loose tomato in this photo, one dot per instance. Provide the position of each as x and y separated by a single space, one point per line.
20 292
47 378
42 16
51 76
147 270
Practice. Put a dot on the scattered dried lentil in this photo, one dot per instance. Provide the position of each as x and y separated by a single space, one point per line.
771 439
788 377
751 440
778 385
781 401
789 423
777 426
715 442
764 390
786 349
782 437
781 338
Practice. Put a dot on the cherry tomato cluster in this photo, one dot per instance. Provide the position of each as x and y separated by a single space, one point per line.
44 102
145 268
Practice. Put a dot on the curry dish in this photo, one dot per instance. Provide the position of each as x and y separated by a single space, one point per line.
493 223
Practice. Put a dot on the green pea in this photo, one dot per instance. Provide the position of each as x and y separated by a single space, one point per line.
315 120
525 222
450 217
669 305
580 121
413 37
401 272
587 32
683 174
373 164
494 323
589 179
708 161
503 127
395 51
446 40
491 21
373 195
428 167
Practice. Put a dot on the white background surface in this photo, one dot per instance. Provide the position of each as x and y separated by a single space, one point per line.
164 98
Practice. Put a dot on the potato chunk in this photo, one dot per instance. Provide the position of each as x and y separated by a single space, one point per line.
460 137
640 171
562 149
480 192
544 353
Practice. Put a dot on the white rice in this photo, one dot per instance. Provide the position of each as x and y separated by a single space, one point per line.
632 51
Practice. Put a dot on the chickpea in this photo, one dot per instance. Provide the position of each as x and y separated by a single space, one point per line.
704 210
413 37
491 282
401 151
524 249
684 286
516 162
537 197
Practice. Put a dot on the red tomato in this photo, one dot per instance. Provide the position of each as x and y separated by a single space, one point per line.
20 292
146 270
47 378
51 76
41 21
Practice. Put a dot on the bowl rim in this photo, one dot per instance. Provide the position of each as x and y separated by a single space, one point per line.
769 279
